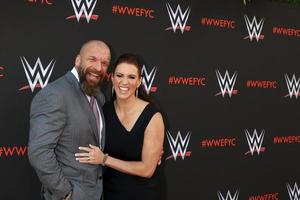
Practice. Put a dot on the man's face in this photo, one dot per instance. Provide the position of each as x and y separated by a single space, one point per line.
92 64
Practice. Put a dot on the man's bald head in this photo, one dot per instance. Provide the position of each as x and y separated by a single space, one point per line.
91 43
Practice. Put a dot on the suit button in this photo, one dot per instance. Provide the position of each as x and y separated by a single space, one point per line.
100 177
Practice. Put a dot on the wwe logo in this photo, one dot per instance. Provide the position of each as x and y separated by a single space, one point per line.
37 74
293 85
254 28
148 78
179 145
255 141
84 9
178 18
293 193
229 196
226 83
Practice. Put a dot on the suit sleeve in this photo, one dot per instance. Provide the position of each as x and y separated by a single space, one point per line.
47 121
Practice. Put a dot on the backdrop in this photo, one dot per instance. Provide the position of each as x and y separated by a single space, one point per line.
225 74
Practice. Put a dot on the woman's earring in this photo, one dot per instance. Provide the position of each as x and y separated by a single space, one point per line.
137 92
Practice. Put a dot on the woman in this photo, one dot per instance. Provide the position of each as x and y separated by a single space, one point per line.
134 138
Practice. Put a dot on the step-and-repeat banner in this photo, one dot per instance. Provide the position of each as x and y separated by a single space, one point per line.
226 75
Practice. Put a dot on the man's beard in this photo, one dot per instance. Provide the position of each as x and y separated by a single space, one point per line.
90 90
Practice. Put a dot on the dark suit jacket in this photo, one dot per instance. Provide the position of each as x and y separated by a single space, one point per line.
61 120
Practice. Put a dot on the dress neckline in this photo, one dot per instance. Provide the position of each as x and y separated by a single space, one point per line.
136 121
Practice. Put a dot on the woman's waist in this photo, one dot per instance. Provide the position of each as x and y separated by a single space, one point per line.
113 177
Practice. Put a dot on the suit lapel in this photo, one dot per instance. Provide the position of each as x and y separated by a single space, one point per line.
85 104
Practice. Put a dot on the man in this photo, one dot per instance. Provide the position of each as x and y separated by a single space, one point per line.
62 119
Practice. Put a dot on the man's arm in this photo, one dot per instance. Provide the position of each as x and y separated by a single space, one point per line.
47 121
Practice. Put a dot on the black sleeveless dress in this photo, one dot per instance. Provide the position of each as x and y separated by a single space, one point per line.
127 146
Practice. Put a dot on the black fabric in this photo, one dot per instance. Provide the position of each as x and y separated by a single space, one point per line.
127 145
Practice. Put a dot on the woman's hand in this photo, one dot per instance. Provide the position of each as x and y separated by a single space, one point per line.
91 155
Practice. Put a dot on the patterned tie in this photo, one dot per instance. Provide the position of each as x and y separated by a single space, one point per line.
93 105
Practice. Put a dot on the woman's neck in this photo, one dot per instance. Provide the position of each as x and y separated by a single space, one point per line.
126 105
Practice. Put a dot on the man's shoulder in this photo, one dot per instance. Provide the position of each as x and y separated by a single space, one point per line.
59 82
58 86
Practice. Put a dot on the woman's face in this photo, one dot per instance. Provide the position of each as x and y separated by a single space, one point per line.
126 80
